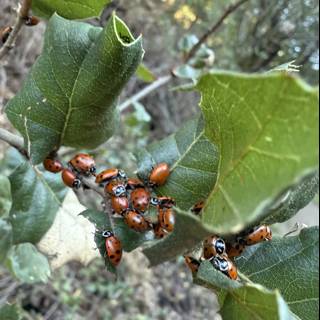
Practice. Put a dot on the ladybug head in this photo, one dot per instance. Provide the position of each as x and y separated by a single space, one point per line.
220 264
220 246
154 201
93 169
107 234
122 174
76 183
120 190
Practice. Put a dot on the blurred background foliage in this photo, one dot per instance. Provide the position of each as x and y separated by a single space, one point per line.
261 35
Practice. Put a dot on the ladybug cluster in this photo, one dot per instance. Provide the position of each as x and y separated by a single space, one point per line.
221 254
131 198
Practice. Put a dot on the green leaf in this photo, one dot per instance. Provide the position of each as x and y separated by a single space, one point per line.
255 302
266 129
36 200
188 232
5 196
290 265
69 9
71 94
295 200
5 239
193 161
10 312
130 239
28 264
145 74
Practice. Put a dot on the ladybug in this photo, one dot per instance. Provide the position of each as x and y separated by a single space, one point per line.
159 174
257 235
83 163
115 188
31 21
52 165
5 33
159 233
166 219
235 249
140 199
110 174
213 246
134 183
119 204
192 263
163 202
197 208
136 221
113 247
70 179
226 266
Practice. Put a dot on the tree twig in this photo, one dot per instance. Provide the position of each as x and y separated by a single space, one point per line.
232 8
21 18
144 92
166 79
14 141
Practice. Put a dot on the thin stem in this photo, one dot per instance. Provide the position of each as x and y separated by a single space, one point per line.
21 17
232 8
146 91
13 140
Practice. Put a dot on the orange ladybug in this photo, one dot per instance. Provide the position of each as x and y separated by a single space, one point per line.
113 247
226 266
235 249
52 165
197 208
213 246
5 33
136 221
115 188
159 233
159 174
257 235
140 199
134 183
192 263
70 179
31 21
163 202
83 164
110 174
166 218
120 205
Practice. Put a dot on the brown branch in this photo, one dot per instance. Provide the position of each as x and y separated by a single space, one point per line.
21 18
232 8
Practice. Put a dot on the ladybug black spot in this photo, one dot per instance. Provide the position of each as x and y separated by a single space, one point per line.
118 252
261 237
112 257
118 260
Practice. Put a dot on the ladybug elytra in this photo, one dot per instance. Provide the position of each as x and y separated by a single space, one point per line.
257 235
159 232
140 199
136 221
134 183
119 204
159 174
113 247
192 263
110 174
166 218
83 164
70 179
52 165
